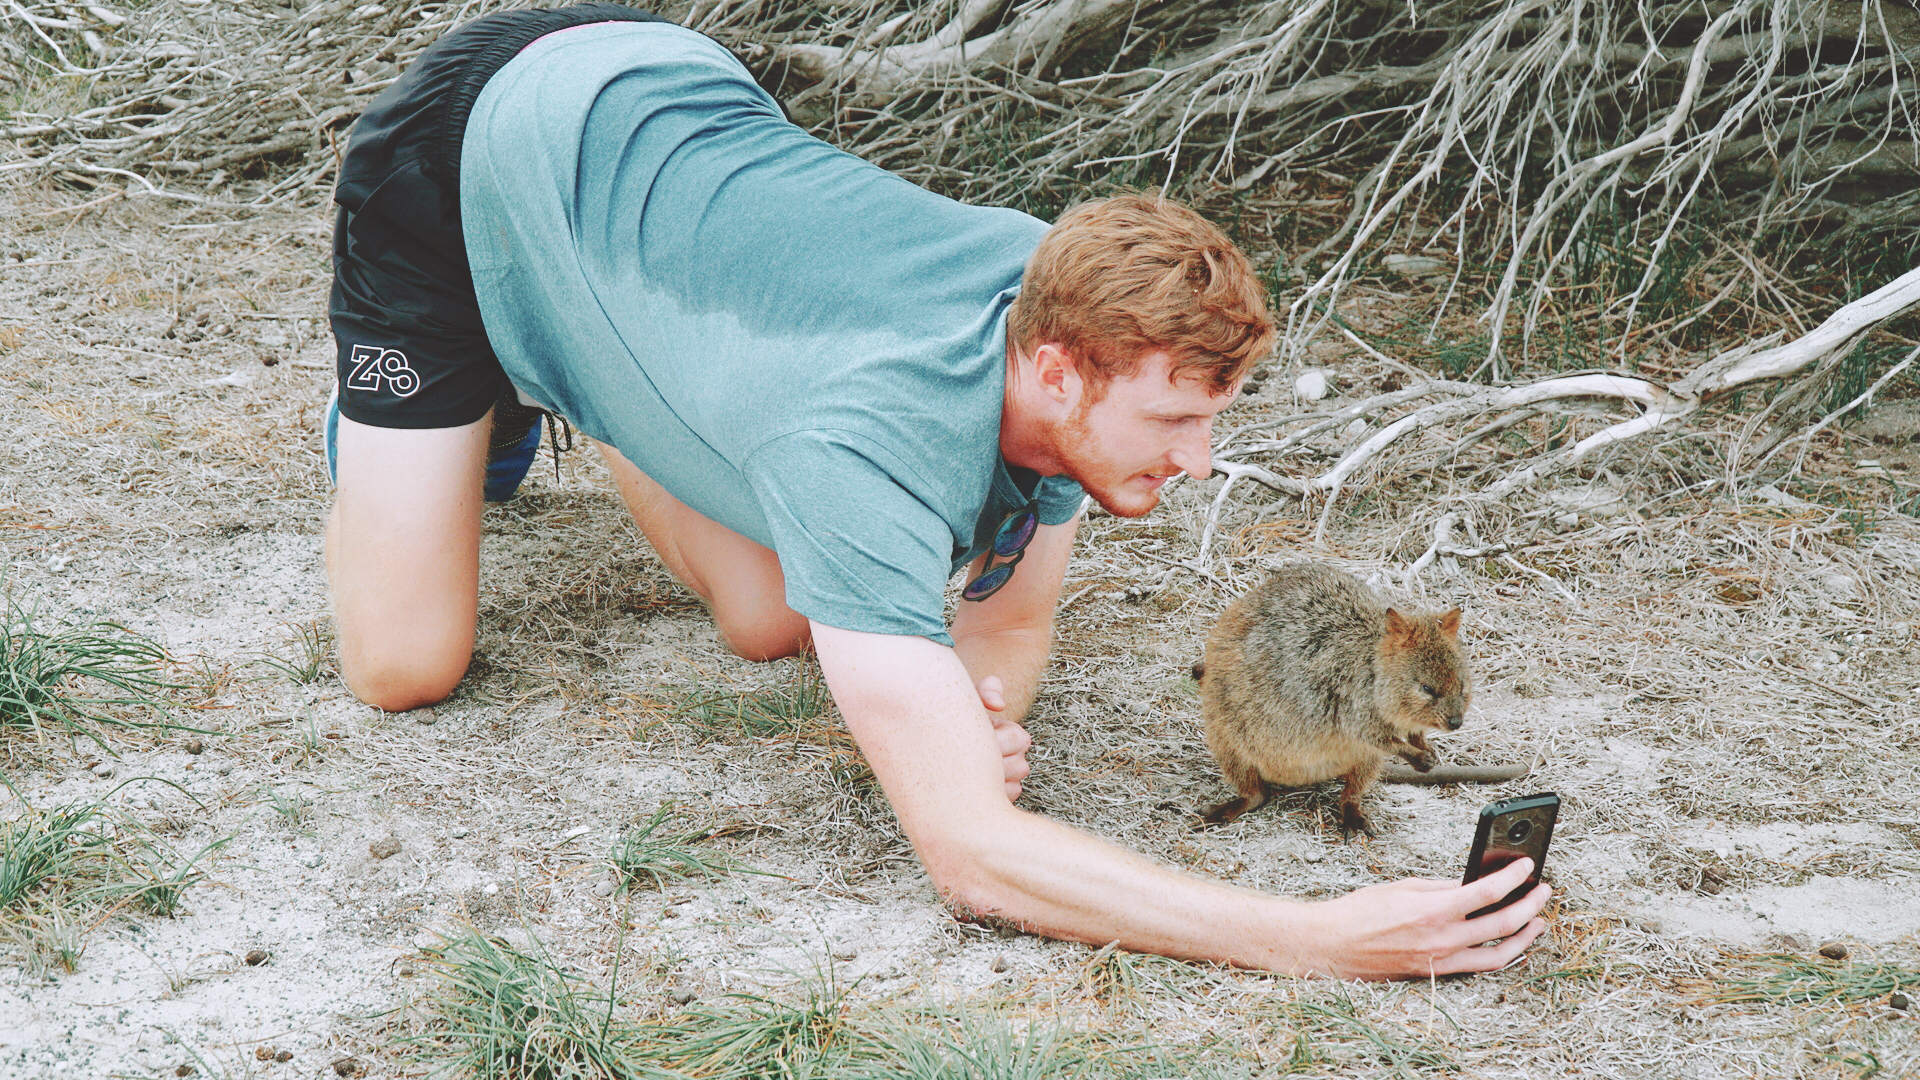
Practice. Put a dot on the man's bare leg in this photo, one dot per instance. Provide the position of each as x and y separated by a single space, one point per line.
739 579
403 558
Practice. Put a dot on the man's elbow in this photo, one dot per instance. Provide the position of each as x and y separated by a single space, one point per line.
963 873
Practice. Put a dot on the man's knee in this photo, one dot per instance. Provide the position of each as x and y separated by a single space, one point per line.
765 633
400 683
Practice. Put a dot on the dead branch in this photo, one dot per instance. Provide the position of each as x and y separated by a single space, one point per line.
1662 408
1396 773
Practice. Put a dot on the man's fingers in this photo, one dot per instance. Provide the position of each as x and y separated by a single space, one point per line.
1490 889
993 694
1011 737
1508 921
1491 957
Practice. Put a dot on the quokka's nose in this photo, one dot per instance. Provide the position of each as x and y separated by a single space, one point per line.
1454 720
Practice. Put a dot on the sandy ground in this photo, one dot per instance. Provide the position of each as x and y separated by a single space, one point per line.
1740 776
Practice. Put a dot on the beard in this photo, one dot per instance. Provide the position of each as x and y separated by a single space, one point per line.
1073 444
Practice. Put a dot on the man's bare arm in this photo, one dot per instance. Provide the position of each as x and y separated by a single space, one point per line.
1004 641
1007 635
916 713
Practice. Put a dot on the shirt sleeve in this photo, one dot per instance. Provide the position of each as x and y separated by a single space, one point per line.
858 549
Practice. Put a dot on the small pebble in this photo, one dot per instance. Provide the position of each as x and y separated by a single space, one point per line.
459 834
491 889
196 746
425 716
1002 963
1899 1001
406 971
104 770
680 995
1139 708
263 1053
256 957
185 1070
1314 856
224 769
605 887
384 848
346 1067
313 861
670 913
1833 950
845 953
283 1056
1310 386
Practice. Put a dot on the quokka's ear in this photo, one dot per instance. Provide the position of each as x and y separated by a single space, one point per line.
1399 627
1450 623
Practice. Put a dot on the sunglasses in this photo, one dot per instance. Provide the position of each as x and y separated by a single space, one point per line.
1010 543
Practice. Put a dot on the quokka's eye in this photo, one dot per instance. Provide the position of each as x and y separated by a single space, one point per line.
1429 691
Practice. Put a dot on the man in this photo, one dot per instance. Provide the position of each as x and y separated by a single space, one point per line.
821 390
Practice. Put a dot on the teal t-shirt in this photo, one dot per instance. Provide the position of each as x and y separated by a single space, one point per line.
795 343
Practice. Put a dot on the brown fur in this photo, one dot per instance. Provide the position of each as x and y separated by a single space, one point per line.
1310 676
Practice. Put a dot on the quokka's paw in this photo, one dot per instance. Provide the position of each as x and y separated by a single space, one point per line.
1353 821
1225 812
1423 761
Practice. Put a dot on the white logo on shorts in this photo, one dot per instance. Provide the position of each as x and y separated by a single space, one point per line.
372 364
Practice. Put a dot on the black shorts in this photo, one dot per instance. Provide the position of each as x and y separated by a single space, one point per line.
412 350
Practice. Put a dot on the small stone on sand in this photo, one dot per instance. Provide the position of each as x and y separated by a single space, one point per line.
384 848
256 957
263 1053
425 716
680 996
1833 950
196 746
283 1056
1002 963
104 770
845 953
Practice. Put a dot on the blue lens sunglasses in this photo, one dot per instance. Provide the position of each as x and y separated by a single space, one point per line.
1010 543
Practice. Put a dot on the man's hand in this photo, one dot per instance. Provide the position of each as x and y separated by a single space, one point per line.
1418 928
1013 739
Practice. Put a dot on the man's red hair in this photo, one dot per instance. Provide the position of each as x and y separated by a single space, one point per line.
1119 278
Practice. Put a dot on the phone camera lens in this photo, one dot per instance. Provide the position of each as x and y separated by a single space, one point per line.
1518 832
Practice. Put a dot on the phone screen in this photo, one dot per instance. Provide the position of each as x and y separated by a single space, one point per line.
1508 830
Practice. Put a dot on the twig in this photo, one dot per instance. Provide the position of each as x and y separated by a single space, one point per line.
1396 773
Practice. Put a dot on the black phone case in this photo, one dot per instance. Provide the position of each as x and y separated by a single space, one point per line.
1508 830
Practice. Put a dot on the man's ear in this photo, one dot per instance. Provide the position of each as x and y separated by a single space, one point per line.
1056 374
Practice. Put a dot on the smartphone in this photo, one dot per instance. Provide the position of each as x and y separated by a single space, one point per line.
1508 830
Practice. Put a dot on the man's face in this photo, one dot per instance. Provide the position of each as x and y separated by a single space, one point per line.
1144 431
